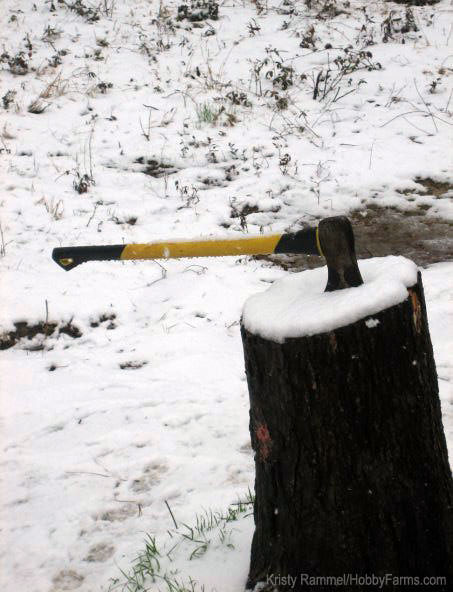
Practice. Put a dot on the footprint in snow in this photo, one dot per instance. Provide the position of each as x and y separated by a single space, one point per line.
100 552
67 579
151 476
118 514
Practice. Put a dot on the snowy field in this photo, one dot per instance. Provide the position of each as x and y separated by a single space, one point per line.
124 404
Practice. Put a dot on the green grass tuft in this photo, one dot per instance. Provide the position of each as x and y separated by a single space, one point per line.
148 567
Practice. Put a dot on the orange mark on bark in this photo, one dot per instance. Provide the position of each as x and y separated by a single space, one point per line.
264 440
416 310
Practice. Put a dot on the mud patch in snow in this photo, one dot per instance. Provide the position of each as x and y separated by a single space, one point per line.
26 333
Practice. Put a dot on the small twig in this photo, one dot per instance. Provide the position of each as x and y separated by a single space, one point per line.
201 269
426 105
93 214
442 120
402 115
371 155
316 87
344 95
88 473
163 269
448 102
90 156
147 133
2 247
184 94
416 127
415 111
171 514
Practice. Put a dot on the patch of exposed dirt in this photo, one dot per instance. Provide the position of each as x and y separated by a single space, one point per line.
387 231
430 186
25 331
105 318
416 2
133 365
131 220
154 168
243 211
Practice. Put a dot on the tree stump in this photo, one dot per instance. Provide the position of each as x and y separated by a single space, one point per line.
352 472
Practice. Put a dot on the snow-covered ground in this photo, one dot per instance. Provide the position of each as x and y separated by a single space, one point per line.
180 129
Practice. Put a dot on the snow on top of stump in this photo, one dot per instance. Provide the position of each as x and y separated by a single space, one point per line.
297 305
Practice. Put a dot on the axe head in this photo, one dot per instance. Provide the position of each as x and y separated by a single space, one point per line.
336 241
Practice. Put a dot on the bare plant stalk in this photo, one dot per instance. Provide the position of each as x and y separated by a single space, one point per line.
371 155
94 212
2 246
90 154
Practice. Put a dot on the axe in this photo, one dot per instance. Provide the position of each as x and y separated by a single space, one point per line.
332 239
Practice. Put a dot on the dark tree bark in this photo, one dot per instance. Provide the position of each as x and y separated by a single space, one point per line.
352 472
